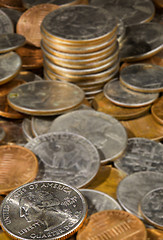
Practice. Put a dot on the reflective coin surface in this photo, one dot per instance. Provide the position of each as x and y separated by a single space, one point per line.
156 110
152 207
11 41
154 234
133 188
65 157
43 210
141 154
27 129
6 25
45 97
98 201
104 131
2 133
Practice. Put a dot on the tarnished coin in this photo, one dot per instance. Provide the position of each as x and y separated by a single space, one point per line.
44 210
10 64
104 131
157 110
154 234
98 201
141 41
132 189
45 97
151 207
122 96
6 25
112 224
41 125
65 157
11 41
27 129
18 166
2 134
28 76
141 154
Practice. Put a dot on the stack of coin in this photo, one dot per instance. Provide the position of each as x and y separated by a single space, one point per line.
79 50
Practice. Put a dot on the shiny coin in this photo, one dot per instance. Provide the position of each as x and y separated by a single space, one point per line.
104 131
2 134
45 97
133 187
6 25
28 76
141 41
10 42
112 224
141 154
122 96
98 201
10 64
152 207
154 234
156 110
27 129
43 210
13 176
65 157
143 77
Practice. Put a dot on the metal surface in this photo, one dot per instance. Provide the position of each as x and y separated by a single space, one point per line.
6 25
10 42
157 110
13 14
28 76
41 125
27 129
2 134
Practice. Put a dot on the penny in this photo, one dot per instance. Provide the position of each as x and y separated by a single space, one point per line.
27 129
132 189
4 236
10 42
28 76
11 175
11 3
45 97
98 201
112 224
151 207
141 154
2 134
156 110
7 87
141 41
102 104
6 25
43 210
34 17
154 234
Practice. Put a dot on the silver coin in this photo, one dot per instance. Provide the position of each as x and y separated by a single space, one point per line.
122 96
11 41
41 125
28 76
143 77
43 210
10 64
45 97
2 134
152 207
65 157
98 201
141 41
27 129
121 31
133 188
141 154
128 11
103 130
6 25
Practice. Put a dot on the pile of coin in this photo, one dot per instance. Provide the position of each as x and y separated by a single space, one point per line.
79 50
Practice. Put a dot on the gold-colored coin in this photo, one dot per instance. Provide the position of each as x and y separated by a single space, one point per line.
157 110
154 234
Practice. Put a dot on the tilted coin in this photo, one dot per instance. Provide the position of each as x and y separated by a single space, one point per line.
133 187
151 207
112 224
11 175
98 201
65 157
154 234
142 77
44 210
141 154
27 129
6 25
156 110
10 64
141 41
104 131
28 76
2 134
11 41
45 97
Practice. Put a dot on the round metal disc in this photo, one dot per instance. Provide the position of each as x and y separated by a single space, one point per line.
143 77
41 125
122 96
141 154
65 157
6 25
13 14
45 97
11 41
133 187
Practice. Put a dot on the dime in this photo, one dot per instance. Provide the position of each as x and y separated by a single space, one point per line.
154 234
98 201
10 64
43 210
6 25
27 129
13 176
65 157
141 154
2 134
45 97
112 224
133 187
156 110
151 207
10 42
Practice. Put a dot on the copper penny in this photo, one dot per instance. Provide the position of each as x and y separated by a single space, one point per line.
112 224
18 166
154 234
3 236
157 110
7 87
